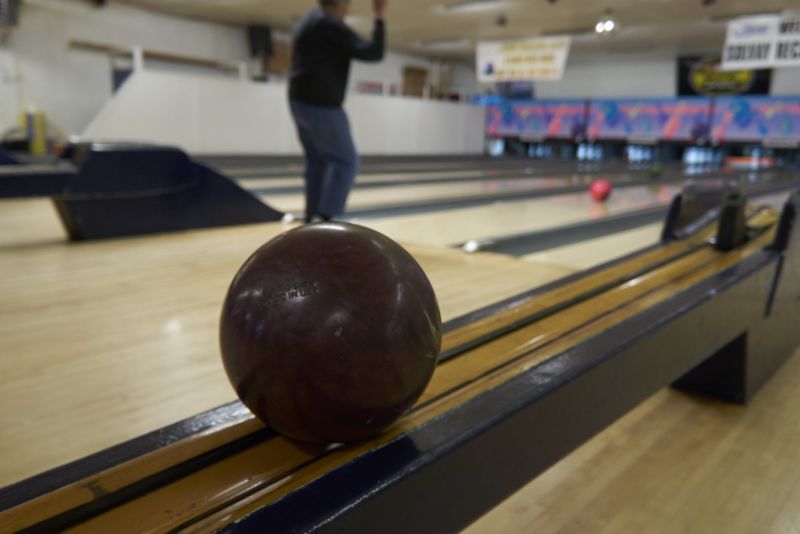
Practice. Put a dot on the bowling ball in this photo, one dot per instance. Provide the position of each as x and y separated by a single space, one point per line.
330 332
600 189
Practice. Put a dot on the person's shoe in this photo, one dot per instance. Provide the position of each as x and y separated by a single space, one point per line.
317 217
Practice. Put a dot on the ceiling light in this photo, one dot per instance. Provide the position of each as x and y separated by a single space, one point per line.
446 44
476 6
606 25
574 31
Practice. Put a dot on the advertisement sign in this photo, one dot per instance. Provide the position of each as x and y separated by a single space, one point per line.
787 47
757 119
703 76
763 42
530 59
684 119
537 120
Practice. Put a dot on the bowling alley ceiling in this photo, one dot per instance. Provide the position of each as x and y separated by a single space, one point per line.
449 28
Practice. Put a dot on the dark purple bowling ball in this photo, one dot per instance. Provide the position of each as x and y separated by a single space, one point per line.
330 332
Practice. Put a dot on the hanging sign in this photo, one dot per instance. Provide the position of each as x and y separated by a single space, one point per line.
763 42
529 59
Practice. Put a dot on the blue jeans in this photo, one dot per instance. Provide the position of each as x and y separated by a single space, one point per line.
331 158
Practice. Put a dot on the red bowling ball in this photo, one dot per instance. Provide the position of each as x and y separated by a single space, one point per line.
330 332
600 190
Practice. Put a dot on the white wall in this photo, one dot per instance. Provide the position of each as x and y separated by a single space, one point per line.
614 75
389 71
205 114
8 90
71 86
37 68
465 79
786 82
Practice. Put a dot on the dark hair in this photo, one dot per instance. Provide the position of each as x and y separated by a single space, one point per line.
332 3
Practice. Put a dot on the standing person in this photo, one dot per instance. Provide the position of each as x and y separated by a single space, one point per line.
323 49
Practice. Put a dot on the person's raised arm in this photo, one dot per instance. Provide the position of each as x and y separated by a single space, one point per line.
362 49
379 8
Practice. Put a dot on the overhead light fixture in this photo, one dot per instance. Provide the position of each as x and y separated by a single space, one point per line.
607 25
574 31
476 6
446 44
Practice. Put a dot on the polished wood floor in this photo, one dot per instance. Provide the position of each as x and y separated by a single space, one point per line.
211 490
676 464
509 218
392 195
104 341
587 254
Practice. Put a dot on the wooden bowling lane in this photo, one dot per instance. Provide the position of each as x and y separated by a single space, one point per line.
388 199
254 179
392 197
371 165
525 309
248 168
296 169
254 182
604 318
29 223
587 254
453 227
205 500
102 342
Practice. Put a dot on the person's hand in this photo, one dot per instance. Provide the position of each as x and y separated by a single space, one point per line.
379 7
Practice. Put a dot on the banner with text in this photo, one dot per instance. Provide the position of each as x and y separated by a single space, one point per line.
763 42
530 59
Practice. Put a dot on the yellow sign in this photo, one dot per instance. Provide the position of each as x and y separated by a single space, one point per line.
706 78
530 59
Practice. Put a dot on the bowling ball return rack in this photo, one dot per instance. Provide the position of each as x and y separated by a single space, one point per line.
712 310
6 158
105 191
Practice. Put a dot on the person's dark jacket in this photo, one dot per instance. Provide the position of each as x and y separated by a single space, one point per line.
322 51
